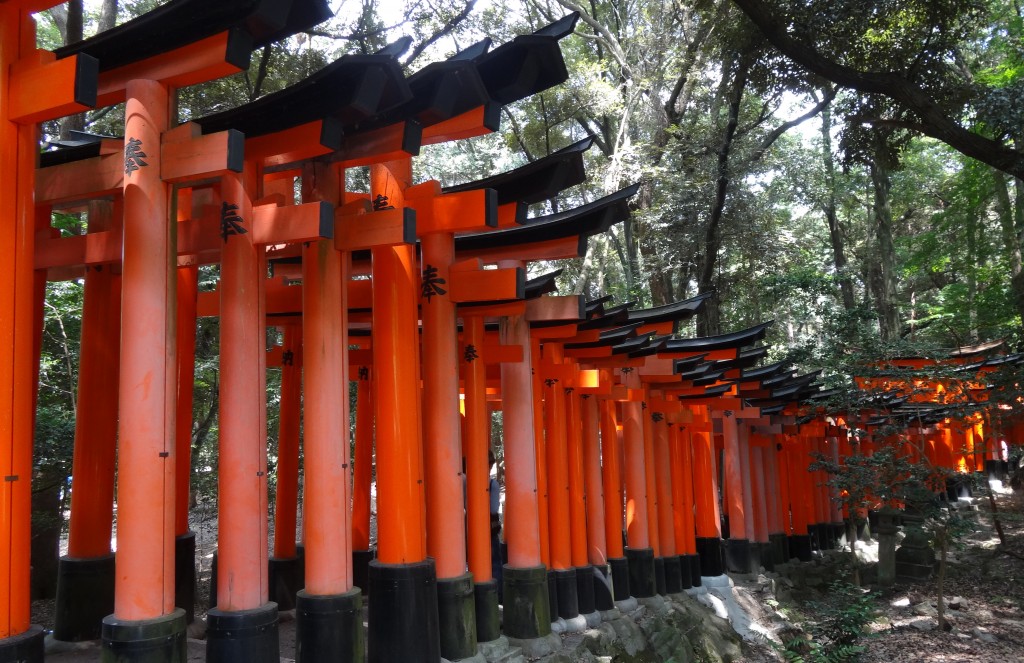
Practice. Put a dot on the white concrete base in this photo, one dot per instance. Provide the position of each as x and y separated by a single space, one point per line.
593 619
537 647
558 626
627 605
609 615
716 581
495 648
577 624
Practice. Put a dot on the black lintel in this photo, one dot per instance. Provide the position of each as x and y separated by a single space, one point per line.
350 89
656 345
543 284
633 344
583 221
681 310
710 392
764 371
526 65
182 22
610 337
722 342
538 180
595 307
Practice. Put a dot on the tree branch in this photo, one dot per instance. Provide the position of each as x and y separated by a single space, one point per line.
450 25
934 120
778 132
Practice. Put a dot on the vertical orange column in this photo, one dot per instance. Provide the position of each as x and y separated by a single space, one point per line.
734 478
574 419
185 335
681 458
289 418
145 478
708 538
782 474
96 410
364 462
663 477
446 526
557 465
759 499
611 471
400 492
475 447
522 526
636 478
650 481
541 454
597 548
328 540
242 544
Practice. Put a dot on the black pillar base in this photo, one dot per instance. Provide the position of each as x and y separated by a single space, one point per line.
285 579
552 595
585 590
329 628
604 594
184 575
685 577
765 556
527 607
485 601
403 613
780 547
673 575
568 596
213 581
620 578
642 580
25 647
456 617
838 534
712 561
738 555
160 640
812 534
85 595
800 547
243 635
992 468
659 576
361 569
694 568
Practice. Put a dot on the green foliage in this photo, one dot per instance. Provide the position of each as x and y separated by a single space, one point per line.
836 627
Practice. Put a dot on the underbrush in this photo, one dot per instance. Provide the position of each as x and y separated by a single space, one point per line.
831 627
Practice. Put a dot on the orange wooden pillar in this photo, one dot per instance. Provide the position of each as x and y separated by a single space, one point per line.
442 452
328 610
597 547
776 504
759 504
285 575
402 579
541 455
28 94
611 475
642 582
651 485
705 497
738 557
574 419
475 447
185 336
681 461
666 526
559 525
85 577
361 481
528 610
243 622
144 591
800 498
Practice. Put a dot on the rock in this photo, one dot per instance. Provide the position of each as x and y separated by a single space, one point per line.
983 635
924 624
924 610
901 602
957 603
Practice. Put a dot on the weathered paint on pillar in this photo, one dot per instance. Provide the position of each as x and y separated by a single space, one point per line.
736 508
475 446
289 418
636 479
401 514
557 465
596 546
611 470
663 477
144 586
361 482
242 482
442 453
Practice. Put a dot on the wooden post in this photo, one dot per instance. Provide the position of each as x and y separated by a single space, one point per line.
611 475
285 575
639 552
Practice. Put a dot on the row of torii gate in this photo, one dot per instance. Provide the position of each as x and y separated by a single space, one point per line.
417 293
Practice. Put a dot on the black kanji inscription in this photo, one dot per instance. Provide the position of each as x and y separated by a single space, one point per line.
230 222
133 156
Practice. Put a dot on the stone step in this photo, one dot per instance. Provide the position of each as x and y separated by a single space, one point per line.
513 655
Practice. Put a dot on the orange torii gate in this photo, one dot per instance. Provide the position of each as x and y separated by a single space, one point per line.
34 87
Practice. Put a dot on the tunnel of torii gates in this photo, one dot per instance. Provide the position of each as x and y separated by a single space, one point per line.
635 463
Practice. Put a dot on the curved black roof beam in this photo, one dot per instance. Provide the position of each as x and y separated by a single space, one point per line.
688 364
764 371
633 344
746 359
656 345
182 22
709 392
681 310
722 342
595 307
584 221
613 317
542 285
528 64
609 337
538 180
351 88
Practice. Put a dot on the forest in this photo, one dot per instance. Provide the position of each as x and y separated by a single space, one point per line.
851 171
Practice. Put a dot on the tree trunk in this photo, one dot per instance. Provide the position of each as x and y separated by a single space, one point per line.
834 230
1008 214
885 295
710 323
